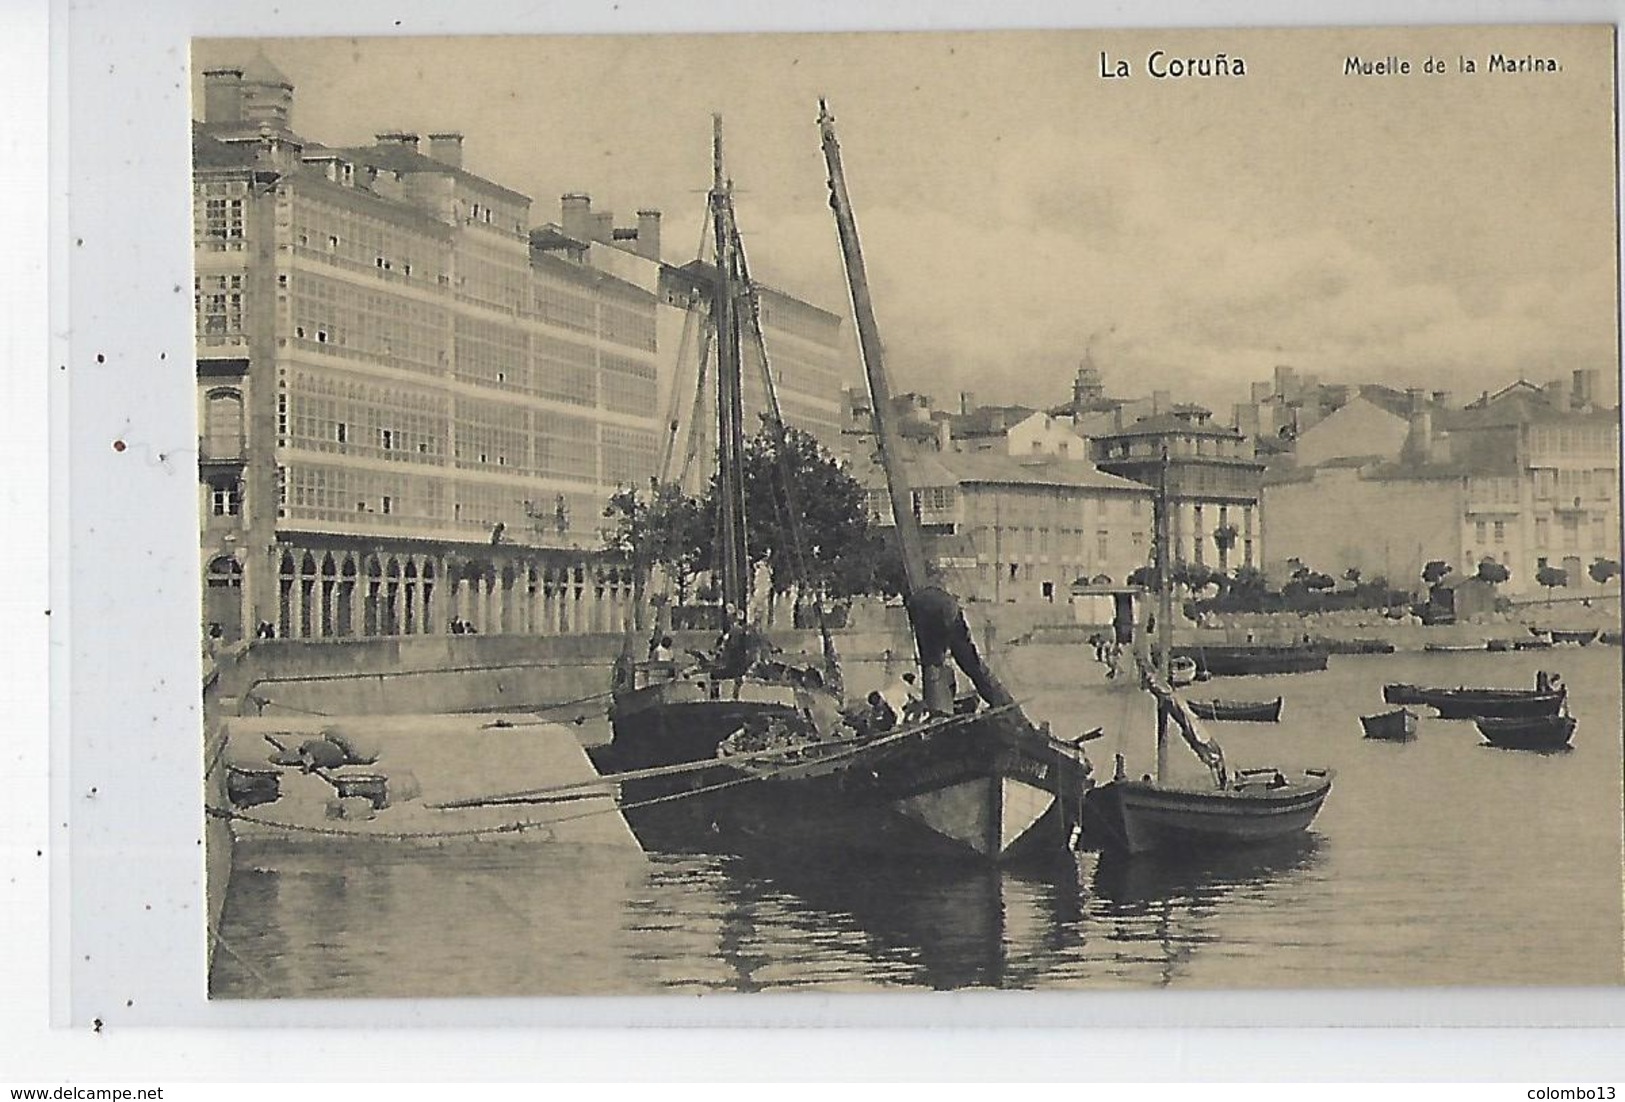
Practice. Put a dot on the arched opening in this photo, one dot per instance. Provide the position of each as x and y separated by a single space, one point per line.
329 595
372 610
344 605
307 596
287 580
223 597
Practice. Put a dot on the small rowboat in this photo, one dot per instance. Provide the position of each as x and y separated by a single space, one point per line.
1611 638
1396 726
1238 711
1451 648
1582 638
1501 644
1539 642
1505 704
1402 694
1182 671
1540 733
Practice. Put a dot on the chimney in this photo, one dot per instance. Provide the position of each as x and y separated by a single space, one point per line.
1585 388
649 234
1260 393
1160 401
575 216
447 148
967 401
1416 398
603 226
223 96
1557 393
1419 443
1443 399
1286 383
403 138
945 435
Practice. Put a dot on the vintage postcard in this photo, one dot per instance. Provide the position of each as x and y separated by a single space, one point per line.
1067 510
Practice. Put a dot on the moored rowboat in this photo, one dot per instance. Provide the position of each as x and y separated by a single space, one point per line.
1396 726
1237 711
1539 733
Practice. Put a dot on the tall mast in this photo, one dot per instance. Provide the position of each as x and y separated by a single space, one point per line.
1165 610
730 409
909 539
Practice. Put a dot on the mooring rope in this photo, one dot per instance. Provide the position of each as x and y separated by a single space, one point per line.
384 835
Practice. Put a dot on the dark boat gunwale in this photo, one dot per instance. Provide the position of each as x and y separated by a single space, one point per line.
1237 711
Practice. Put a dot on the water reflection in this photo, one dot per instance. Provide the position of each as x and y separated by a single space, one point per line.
1430 864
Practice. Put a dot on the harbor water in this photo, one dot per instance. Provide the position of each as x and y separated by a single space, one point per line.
1436 862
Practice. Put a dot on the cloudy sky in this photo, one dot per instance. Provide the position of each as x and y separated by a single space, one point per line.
1443 230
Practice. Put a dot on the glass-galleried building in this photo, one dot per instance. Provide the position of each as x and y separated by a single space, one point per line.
411 413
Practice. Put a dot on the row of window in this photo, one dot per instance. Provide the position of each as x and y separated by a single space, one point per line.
1597 484
1570 440
218 209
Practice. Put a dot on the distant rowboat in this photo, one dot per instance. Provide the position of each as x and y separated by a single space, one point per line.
1237 711
1540 733
1396 726
1449 648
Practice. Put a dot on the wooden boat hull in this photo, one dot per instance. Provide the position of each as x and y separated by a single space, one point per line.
1136 817
1575 638
684 720
1454 648
1475 705
1609 638
1356 646
1237 711
1402 694
1245 661
977 792
1544 733
1395 726
1470 703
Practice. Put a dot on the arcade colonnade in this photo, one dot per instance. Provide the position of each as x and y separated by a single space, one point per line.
334 593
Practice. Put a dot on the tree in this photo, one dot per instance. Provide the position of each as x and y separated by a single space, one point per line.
1603 570
1434 572
1144 576
841 555
1493 572
1551 577
1224 538
662 526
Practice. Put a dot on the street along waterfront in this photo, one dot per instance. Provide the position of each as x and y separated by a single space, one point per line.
1440 861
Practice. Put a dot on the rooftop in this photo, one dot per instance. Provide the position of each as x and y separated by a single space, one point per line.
1172 424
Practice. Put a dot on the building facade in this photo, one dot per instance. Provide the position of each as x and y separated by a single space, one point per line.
1525 478
1213 482
414 407
1023 531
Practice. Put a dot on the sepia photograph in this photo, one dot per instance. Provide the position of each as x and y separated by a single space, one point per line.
931 511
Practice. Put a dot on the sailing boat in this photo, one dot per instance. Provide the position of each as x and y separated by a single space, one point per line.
1248 806
975 782
668 713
